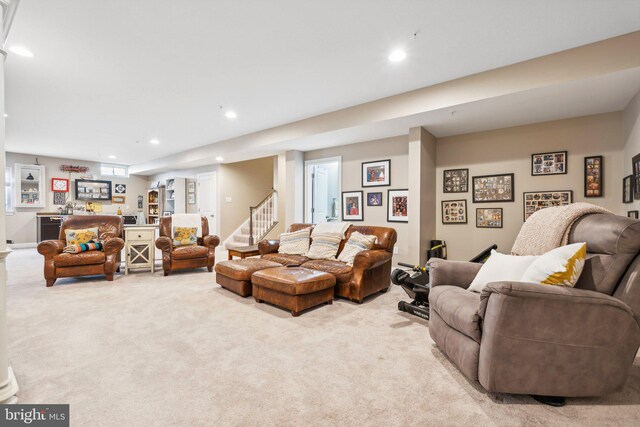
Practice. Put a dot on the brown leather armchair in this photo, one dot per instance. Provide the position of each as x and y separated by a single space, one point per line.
183 257
59 264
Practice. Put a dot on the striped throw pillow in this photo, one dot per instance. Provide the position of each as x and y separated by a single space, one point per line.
358 242
295 242
83 247
325 246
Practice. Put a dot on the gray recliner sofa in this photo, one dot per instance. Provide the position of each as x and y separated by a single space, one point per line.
527 338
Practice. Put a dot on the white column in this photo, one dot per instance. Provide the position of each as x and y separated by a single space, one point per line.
295 187
8 384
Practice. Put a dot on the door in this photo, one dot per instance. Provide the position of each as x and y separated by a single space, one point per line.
319 204
207 199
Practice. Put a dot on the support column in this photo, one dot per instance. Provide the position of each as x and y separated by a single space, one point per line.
8 384
422 193
290 187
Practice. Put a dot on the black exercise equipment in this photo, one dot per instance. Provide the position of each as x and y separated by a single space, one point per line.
414 279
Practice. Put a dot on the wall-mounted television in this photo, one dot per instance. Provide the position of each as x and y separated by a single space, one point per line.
88 189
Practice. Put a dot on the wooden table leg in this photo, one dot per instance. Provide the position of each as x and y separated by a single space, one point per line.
230 256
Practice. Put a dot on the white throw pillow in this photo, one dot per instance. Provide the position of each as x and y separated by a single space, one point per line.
324 246
500 267
357 242
561 266
295 242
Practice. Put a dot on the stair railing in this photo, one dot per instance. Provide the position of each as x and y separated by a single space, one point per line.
263 217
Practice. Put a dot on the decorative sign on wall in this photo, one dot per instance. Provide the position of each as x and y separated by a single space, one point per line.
140 199
59 185
59 198
74 169
120 188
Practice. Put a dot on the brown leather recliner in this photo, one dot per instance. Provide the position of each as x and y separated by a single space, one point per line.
183 257
527 338
371 271
59 264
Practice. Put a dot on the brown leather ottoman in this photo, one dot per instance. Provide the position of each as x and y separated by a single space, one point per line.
293 288
236 275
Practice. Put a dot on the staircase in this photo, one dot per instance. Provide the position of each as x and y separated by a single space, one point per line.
262 218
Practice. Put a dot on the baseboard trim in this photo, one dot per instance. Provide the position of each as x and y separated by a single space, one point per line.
22 245
9 389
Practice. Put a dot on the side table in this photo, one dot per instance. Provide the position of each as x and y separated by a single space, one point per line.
139 247
243 251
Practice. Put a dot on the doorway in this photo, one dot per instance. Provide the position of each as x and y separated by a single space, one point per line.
323 182
207 199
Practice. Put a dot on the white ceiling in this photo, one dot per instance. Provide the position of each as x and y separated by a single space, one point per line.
108 74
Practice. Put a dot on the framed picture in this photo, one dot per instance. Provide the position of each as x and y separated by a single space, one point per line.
493 188
536 200
166 213
489 217
120 188
376 174
59 198
374 199
454 211
627 189
192 198
398 201
191 187
140 202
632 214
118 199
549 163
636 176
593 176
59 185
455 181
352 206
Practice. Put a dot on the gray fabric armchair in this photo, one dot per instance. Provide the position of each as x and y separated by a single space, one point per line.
526 338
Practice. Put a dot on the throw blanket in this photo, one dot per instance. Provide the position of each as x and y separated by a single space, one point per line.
549 228
331 228
187 221
83 247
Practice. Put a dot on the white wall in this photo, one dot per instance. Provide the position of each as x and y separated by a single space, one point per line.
631 125
22 227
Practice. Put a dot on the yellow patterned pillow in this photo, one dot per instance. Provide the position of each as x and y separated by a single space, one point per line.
78 237
561 266
185 236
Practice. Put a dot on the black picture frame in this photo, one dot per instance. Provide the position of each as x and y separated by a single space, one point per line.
632 214
446 215
384 163
541 159
594 168
390 204
102 196
448 175
627 189
374 199
543 201
476 181
488 225
635 168
345 205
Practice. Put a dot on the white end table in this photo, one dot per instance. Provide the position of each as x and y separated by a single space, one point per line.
139 247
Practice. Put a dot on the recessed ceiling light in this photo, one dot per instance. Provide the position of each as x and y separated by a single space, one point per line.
155 141
397 55
22 51
6 115
219 159
111 156
230 115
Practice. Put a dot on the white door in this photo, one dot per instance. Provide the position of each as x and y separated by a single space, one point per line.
207 199
320 195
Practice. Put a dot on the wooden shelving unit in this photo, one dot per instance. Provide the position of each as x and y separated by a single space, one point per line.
155 205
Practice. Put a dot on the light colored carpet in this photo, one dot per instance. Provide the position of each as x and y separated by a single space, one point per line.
148 350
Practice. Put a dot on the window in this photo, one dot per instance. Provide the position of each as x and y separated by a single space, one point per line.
8 191
114 170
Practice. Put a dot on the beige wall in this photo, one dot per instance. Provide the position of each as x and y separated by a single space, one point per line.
21 226
353 155
509 151
631 144
246 183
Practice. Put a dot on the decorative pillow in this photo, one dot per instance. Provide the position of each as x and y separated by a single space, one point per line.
84 235
185 236
83 247
324 246
561 266
357 242
500 267
295 242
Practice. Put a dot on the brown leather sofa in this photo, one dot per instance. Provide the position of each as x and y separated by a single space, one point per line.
371 269
526 338
58 264
184 257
